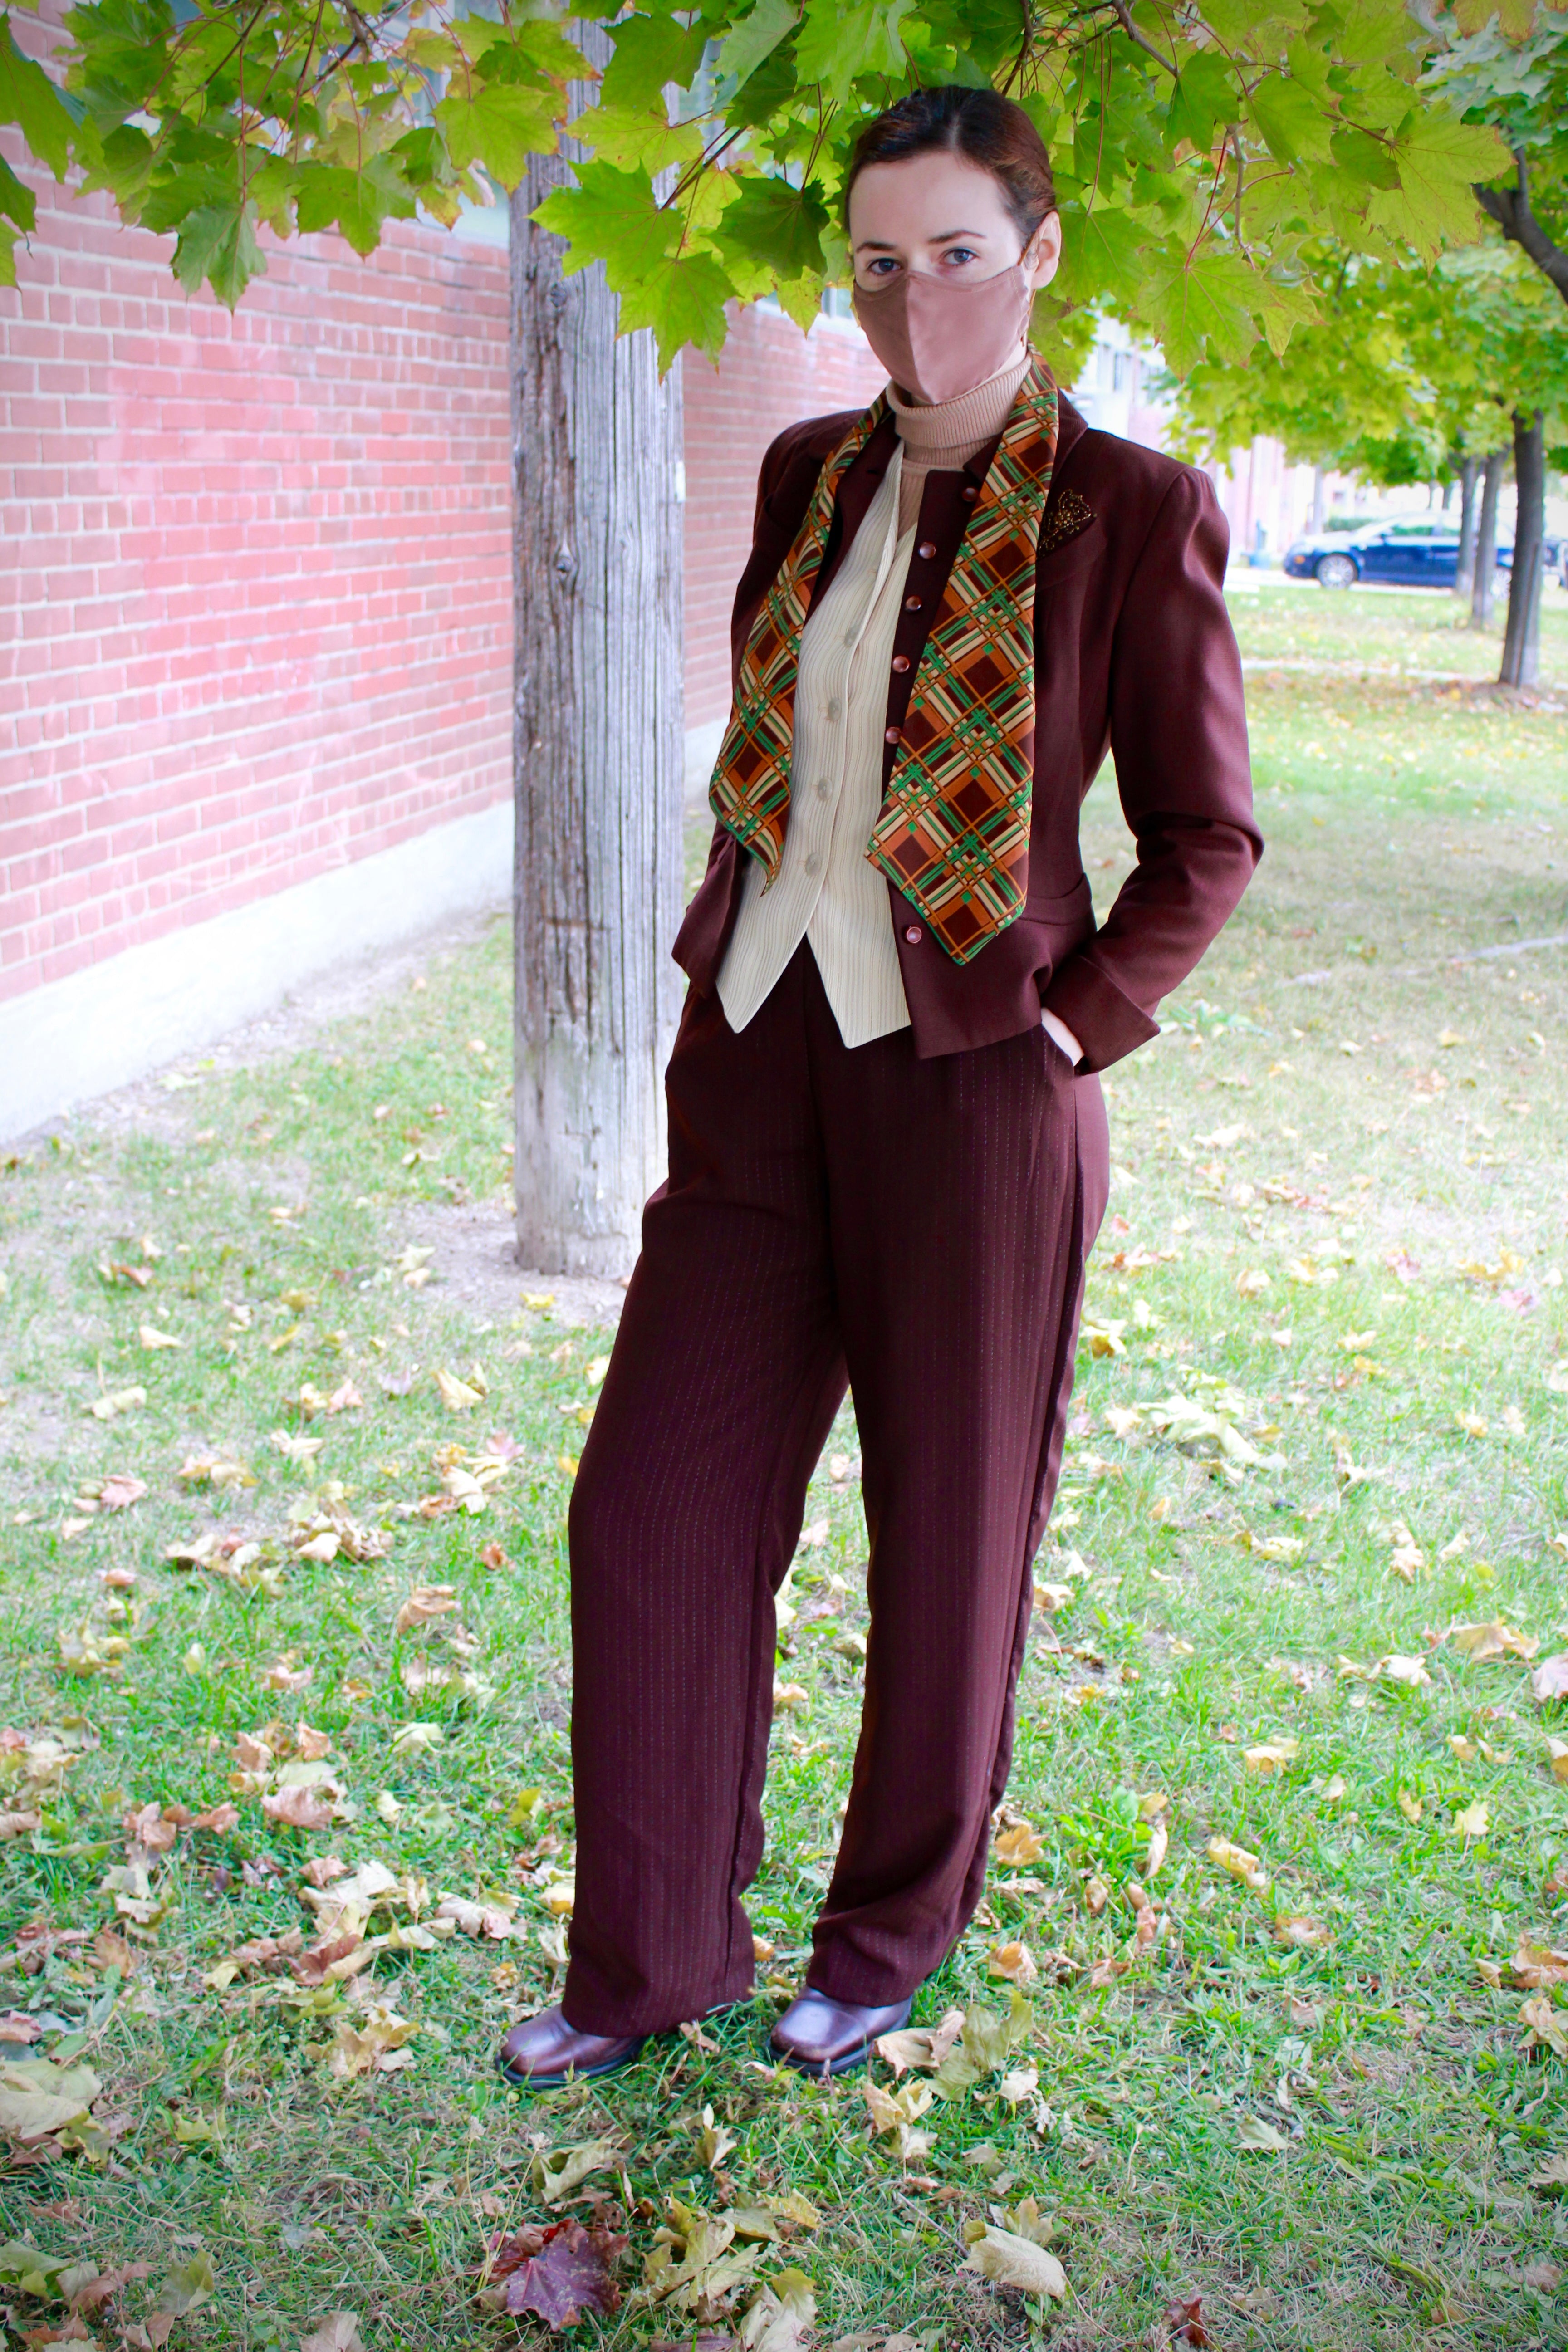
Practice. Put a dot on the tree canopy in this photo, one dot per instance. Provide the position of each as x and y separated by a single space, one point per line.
1202 155
1405 374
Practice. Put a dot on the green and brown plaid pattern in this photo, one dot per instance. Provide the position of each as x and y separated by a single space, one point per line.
748 791
953 833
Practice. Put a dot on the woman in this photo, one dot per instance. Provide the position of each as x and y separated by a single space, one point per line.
882 1167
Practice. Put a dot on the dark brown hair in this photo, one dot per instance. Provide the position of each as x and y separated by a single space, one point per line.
987 129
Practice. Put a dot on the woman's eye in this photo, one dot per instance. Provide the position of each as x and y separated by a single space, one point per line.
960 253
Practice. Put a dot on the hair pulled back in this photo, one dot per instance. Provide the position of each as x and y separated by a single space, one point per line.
985 129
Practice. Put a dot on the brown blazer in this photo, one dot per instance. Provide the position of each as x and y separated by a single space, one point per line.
1133 653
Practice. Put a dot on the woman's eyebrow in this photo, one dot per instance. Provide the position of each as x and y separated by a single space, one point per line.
881 245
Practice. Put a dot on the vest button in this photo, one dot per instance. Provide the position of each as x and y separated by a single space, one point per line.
926 547
901 663
914 934
911 604
891 735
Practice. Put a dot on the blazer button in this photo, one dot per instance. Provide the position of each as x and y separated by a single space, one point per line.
891 735
901 663
971 490
911 604
926 547
914 935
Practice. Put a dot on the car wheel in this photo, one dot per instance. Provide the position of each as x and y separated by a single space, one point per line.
1336 571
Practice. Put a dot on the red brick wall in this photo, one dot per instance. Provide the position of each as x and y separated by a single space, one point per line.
256 618
767 375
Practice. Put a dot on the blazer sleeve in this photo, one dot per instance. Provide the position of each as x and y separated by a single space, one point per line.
1178 734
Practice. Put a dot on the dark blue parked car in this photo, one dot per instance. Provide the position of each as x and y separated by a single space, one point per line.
1415 552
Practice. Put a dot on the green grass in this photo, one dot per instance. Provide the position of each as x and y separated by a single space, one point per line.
1404 1200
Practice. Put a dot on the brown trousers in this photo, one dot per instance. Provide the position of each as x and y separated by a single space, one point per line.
917 1230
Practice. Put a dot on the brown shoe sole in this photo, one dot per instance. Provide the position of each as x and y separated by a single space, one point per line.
525 2081
556 2082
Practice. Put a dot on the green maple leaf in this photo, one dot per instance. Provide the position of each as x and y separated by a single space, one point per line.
610 217
753 37
1102 252
770 222
1205 305
1292 120
17 205
500 125
1280 309
29 98
217 243
626 136
1363 159
356 203
683 302
838 44
649 52
1439 160
800 299
1204 96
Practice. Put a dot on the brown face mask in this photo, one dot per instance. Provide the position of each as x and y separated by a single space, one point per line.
938 336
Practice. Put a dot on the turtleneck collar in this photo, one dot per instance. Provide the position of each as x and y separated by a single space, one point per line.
954 428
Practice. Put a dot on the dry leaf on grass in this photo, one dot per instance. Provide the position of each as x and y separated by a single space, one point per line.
921 2045
1263 2138
556 2173
558 2273
1272 1755
1471 1821
1007 2260
1550 1680
782 2318
1018 1845
1184 2323
893 2114
1493 1640
339 2332
378 2045
1012 1961
1544 2026
1240 1864
424 1604
1534 1965
300 1809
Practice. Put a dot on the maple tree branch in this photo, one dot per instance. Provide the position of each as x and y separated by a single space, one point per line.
1124 15
1511 208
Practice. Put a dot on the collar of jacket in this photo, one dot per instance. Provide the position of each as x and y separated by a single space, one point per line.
943 514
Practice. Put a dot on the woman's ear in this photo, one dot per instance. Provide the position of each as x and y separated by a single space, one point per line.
1044 251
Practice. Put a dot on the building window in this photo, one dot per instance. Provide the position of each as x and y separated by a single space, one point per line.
1121 372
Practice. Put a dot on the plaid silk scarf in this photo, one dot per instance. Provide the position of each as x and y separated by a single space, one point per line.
953 831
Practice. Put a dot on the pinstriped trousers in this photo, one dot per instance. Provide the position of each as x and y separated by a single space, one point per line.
915 1230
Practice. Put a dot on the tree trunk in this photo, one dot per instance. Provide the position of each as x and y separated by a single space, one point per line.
1486 542
1465 573
1522 636
597 741
1316 499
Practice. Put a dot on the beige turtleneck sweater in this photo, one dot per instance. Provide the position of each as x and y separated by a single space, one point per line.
946 433
827 890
